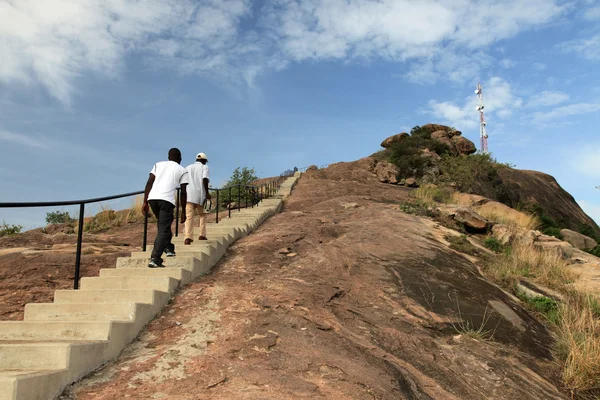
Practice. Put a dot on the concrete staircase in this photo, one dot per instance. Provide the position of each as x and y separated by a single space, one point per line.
59 343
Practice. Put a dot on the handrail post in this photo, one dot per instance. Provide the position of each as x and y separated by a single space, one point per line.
79 240
217 206
145 231
177 213
229 205
239 197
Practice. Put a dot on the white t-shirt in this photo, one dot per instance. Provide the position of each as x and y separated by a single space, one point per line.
168 175
195 191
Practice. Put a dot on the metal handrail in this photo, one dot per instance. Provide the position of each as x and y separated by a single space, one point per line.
258 193
81 204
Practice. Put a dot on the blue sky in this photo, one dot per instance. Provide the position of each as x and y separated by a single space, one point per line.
93 92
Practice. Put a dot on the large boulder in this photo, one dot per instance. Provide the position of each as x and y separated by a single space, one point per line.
430 128
463 145
468 218
471 219
578 240
469 200
312 168
389 142
540 193
386 172
455 142
443 138
503 234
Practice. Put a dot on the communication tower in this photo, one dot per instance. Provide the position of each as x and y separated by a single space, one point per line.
482 127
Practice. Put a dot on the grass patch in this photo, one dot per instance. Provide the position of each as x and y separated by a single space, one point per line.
579 343
493 244
505 215
420 208
576 319
477 331
432 193
542 305
527 261
461 243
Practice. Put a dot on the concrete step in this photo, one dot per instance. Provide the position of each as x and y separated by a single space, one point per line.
197 265
161 283
60 342
33 384
181 274
52 355
85 312
224 237
63 330
111 296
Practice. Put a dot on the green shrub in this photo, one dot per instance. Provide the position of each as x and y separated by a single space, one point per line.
240 176
59 217
493 244
595 251
553 232
474 174
9 230
543 305
406 155
588 231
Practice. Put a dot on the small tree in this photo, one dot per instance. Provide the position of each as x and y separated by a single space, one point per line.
241 176
58 217
9 230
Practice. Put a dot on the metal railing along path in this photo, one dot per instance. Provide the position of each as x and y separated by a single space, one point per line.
252 193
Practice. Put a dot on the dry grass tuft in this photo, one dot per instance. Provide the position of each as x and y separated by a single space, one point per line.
431 194
503 214
579 342
528 261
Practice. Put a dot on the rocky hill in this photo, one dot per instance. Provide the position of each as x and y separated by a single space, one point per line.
438 154
366 286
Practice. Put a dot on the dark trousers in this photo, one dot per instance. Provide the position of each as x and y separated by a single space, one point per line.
163 211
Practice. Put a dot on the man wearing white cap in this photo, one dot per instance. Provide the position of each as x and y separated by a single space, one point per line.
197 193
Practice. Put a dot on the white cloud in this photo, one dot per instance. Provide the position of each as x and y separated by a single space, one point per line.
54 43
592 14
499 101
538 66
23 140
542 118
588 48
507 63
547 98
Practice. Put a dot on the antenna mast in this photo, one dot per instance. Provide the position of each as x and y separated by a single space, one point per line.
482 129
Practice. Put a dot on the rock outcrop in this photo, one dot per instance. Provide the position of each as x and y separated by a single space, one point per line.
533 189
386 172
578 240
389 142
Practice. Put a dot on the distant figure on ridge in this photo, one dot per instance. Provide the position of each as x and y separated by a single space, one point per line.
199 176
160 197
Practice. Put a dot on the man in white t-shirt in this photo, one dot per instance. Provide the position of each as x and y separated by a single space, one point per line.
160 197
199 177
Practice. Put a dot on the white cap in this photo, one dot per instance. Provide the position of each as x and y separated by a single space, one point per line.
201 156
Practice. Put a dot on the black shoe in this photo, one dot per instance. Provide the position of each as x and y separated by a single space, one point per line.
155 264
170 253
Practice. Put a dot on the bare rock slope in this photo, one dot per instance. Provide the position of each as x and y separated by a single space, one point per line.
341 296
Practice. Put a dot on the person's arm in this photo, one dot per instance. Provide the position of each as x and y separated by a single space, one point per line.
205 184
183 200
149 184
